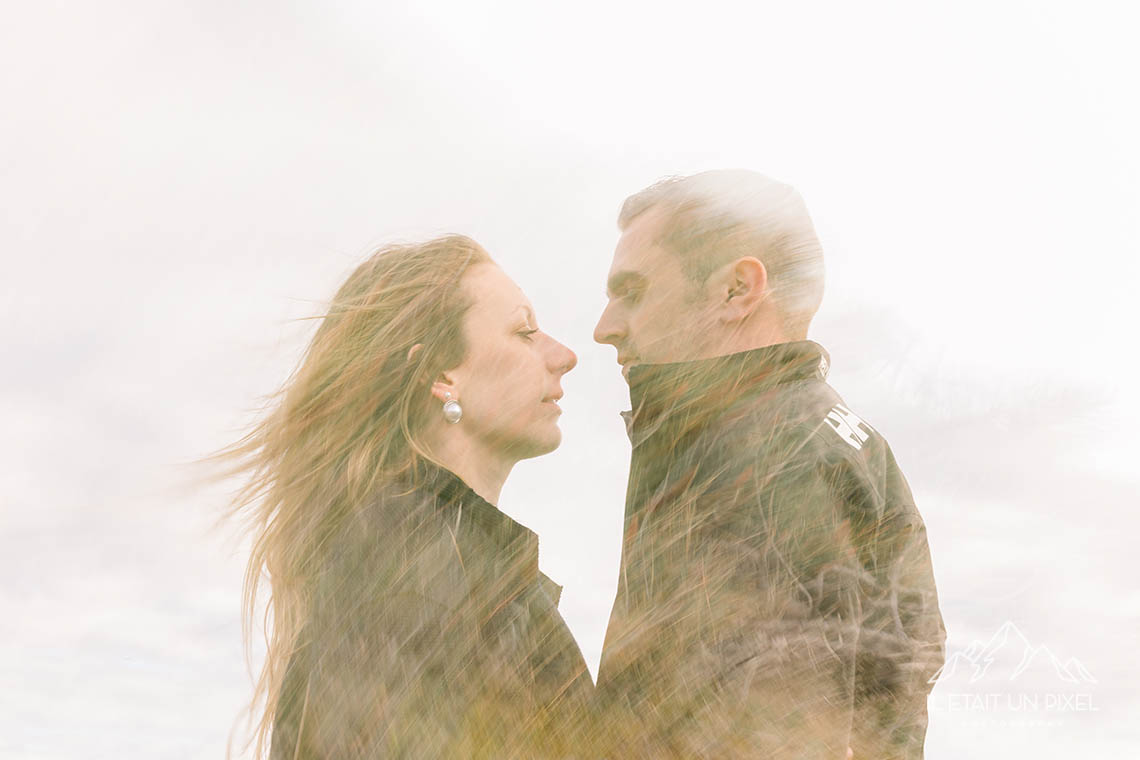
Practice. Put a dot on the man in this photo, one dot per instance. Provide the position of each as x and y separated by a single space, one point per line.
776 597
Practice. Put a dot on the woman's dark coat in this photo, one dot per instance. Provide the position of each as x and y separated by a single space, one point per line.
432 634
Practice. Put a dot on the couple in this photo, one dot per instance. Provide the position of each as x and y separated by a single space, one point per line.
775 599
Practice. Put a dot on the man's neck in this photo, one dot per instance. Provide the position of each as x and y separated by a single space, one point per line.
691 393
749 337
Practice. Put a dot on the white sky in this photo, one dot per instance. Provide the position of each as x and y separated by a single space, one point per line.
179 181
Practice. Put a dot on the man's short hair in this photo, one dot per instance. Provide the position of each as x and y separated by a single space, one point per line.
715 217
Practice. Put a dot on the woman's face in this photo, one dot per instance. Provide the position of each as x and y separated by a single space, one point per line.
510 381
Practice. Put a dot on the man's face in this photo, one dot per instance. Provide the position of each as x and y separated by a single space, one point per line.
655 314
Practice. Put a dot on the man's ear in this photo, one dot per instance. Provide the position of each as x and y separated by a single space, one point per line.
744 288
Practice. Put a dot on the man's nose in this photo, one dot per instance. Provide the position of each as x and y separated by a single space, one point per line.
607 331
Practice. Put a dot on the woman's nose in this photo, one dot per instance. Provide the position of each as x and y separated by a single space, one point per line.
565 359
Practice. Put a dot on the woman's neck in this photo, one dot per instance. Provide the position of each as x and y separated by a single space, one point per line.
479 468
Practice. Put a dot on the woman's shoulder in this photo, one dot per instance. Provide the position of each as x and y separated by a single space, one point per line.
395 545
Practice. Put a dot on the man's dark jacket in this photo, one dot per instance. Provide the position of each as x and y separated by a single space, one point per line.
432 634
776 597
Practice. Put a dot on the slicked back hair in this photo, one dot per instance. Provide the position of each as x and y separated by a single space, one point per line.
713 218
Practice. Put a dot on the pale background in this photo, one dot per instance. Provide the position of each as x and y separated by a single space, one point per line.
179 181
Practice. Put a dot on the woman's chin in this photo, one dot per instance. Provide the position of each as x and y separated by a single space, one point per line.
549 442
556 440
537 445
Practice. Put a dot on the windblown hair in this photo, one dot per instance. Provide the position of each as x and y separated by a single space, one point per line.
715 217
345 422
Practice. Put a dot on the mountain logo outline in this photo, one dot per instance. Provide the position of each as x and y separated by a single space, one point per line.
978 657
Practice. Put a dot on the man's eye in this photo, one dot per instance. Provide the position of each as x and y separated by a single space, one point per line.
527 333
624 295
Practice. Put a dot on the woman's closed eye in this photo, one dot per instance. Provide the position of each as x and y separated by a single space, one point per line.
527 333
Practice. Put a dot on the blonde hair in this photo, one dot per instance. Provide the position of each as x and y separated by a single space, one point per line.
715 217
344 422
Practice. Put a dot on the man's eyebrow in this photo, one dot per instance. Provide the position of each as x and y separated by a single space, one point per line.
530 320
620 281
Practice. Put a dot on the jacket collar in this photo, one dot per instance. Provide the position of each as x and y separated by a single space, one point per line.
463 507
690 393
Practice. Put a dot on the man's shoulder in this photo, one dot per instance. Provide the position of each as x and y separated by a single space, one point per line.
805 427
836 428
807 440
810 415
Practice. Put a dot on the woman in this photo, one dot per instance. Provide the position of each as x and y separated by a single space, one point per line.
409 615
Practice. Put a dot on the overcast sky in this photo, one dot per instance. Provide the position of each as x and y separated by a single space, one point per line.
181 182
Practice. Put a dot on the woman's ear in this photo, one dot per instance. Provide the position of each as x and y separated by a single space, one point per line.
444 386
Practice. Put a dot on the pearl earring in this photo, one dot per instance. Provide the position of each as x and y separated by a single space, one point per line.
452 411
